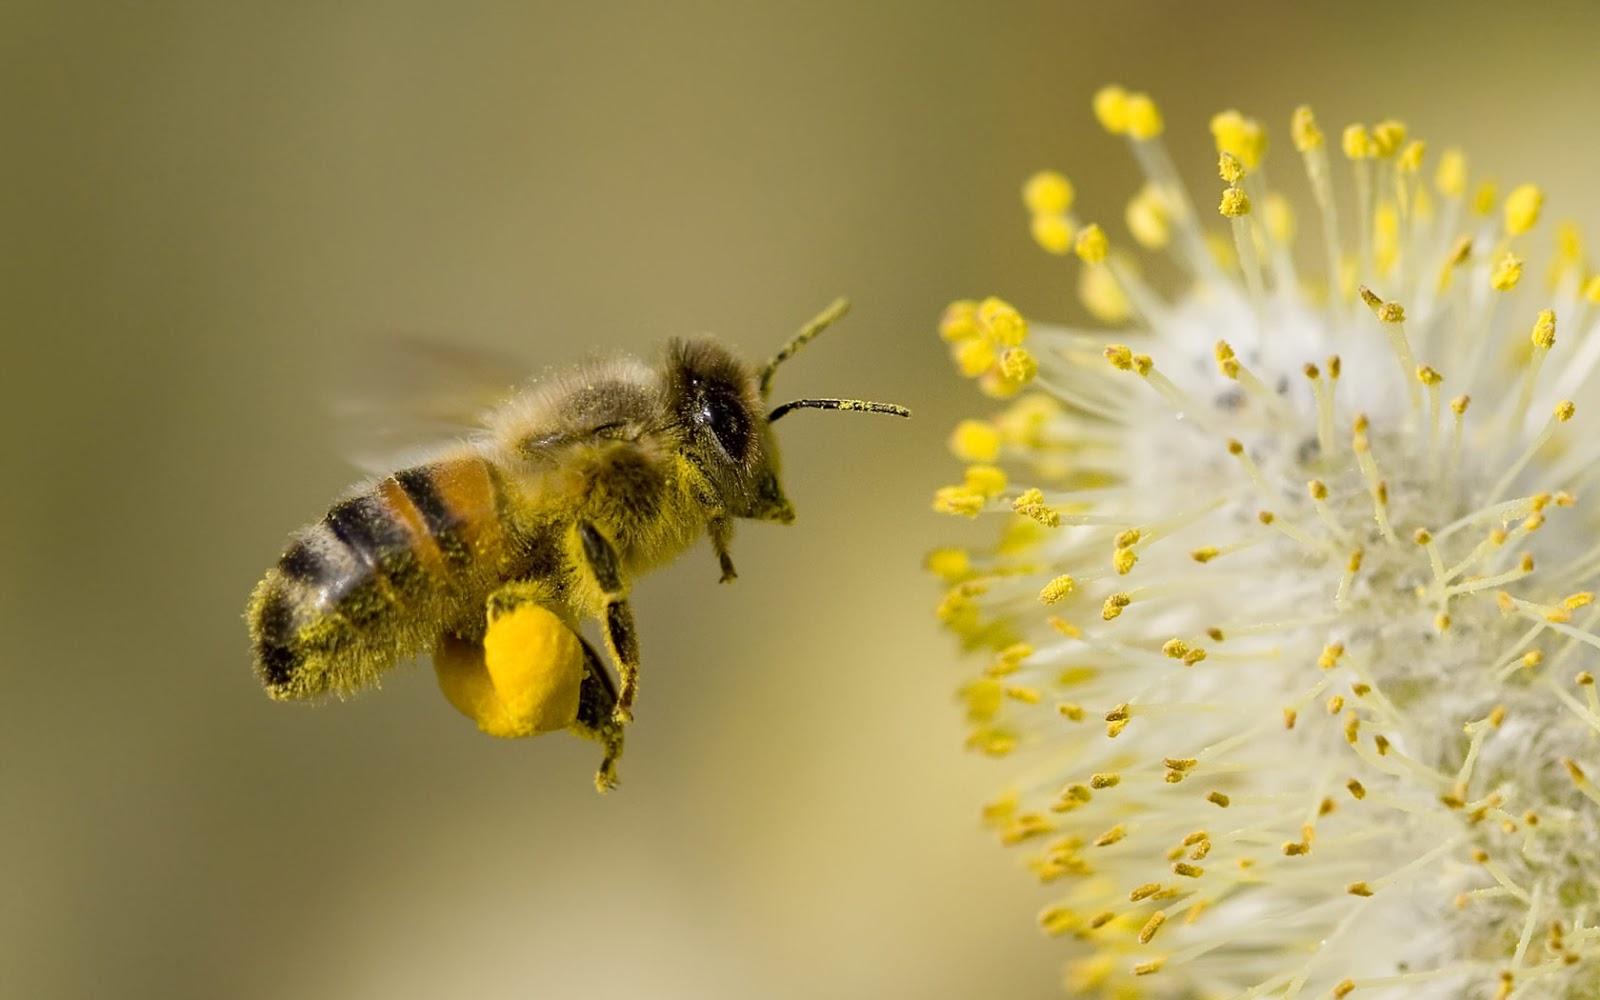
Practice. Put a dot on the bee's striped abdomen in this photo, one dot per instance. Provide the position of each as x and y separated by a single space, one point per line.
371 582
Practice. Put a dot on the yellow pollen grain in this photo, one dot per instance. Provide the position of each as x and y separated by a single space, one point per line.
1048 193
1056 590
1235 203
1053 233
1143 116
1507 272
1092 245
1483 199
1143 892
1152 925
1356 143
975 441
1522 208
1018 365
1304 131
1450 177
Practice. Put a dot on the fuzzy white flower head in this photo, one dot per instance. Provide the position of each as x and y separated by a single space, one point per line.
1290 647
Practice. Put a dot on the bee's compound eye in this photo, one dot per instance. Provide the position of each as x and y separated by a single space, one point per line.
726 415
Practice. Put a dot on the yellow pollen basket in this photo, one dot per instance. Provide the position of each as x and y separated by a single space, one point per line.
522 681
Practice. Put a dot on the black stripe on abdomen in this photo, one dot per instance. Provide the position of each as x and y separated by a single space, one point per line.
368 529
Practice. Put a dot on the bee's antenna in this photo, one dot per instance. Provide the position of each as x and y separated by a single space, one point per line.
854 405
807 333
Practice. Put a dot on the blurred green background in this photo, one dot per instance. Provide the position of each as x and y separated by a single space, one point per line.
209 209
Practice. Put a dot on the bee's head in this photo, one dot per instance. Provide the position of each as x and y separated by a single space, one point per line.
720 402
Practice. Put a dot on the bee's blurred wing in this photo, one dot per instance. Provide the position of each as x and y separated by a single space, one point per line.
412 395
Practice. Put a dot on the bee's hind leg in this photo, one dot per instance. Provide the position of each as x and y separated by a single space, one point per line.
597 700
622 641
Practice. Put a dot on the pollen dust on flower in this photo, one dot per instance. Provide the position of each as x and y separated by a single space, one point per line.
1307 536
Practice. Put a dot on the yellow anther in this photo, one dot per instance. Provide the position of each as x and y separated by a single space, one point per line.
1330 655
1152 925
973 356
948 564
1483 199
1391 312
1057 590
1205 554
1177 649
1584 679
1344 988
1335 704
958 500
1109 779
1497 716
1148 219
1450 177
1123 561
1358 791
1235 203
1564 499
1303 129
1143 892
1522 208
1358 889
1018 365
1001 322
1092 246
1428 375
1573 770
1072 713
1053 233
1459 405
988 480
1111 108
1241 137
1582 598
1149 968
1318 489
975 441
1187 870
1296 848
1266 516
1441 622
1460 251
1048 193
1591 289
1143 116
1371 298
1411 156
1564 411
1218 799
1507 272
1194 656
1544 330
1334 366
1352 727
1290 716
1229 168
1126 538
1113 606
1357 144
959 321
1387 137
1422 536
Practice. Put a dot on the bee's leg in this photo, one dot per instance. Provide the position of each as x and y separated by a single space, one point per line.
622 641
721 530
597 700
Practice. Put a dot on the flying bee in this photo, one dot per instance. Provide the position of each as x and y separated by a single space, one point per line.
493 555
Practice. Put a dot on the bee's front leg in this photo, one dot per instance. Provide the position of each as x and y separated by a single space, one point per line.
597 700
622 640
721 531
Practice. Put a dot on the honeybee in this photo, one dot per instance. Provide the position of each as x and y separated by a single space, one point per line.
493 555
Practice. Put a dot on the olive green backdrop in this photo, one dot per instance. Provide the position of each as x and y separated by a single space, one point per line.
207 209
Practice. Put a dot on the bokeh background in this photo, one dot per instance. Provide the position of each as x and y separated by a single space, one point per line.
210 210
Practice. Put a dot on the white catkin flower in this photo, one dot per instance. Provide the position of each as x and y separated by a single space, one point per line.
1288 648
